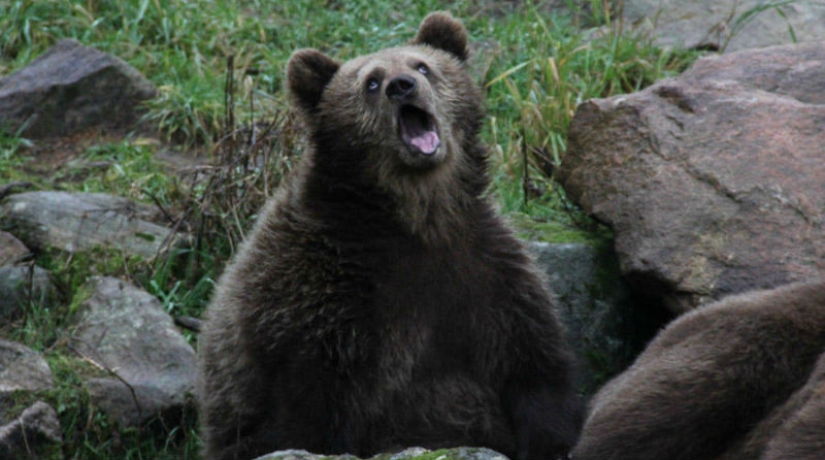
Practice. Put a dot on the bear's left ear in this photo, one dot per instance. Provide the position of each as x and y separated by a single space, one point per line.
440 30
308 72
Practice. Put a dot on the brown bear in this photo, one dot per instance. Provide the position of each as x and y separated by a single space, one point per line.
709 378
380 302
802 433
793 431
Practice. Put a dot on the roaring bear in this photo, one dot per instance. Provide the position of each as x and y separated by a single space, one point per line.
379 301
707 382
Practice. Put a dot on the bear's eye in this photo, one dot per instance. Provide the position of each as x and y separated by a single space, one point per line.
423 68
372 85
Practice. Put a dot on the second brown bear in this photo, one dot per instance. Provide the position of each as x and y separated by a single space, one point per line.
717 383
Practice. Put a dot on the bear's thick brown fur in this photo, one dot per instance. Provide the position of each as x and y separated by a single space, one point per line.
793 431
801 436
380 302
712 379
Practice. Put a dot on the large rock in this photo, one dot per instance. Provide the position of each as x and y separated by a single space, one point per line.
71 87
82 221
126 331
729 25
713 182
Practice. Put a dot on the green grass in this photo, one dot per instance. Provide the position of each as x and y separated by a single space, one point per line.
535 66
125 168
89 434
12 157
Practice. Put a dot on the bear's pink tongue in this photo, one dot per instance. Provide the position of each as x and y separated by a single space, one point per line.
426 142
418 129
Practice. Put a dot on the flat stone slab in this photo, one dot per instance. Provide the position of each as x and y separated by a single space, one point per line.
77 222
412 453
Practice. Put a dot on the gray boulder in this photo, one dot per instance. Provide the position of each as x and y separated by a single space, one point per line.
22 369
70 88
24 285
36 433
127 333
12 250
729 25
605 325
713 182
77 222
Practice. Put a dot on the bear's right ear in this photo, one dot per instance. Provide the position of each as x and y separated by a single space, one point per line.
442 31
308 72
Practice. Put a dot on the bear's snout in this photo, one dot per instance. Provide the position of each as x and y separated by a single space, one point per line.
401 87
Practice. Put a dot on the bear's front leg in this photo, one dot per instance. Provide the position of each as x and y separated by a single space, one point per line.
546 419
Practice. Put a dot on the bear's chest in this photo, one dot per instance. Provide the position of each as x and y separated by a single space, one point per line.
435 284
431 305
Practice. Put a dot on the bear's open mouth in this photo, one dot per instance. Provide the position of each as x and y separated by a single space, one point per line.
418 129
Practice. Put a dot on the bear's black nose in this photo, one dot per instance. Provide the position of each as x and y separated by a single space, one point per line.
401 87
